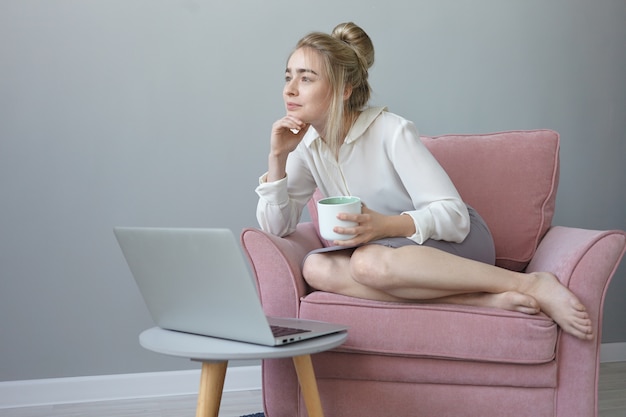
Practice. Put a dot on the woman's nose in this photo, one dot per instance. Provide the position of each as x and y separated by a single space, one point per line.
290 89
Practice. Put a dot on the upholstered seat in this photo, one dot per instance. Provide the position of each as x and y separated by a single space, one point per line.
443 360
436 331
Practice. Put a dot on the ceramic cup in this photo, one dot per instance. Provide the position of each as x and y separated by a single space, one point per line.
327 211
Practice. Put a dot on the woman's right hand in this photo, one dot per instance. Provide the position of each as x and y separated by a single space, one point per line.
286 135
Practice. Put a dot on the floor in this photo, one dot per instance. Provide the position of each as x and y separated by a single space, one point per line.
612 389
612 402
234 404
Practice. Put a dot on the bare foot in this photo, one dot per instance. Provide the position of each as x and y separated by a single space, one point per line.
509 300
558 302
513 301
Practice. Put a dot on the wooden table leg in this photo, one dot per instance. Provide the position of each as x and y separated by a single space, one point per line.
308 385
211 386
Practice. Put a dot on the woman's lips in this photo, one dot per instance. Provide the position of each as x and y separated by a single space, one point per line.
293 106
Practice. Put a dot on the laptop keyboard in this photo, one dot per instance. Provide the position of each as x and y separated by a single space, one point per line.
280 331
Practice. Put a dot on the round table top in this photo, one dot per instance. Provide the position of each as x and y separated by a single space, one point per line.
206 348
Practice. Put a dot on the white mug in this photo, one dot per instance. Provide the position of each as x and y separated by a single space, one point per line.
327 211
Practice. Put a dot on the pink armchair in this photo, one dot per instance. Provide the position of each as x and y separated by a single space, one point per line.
444 360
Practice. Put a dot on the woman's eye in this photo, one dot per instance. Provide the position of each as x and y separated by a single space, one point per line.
287 79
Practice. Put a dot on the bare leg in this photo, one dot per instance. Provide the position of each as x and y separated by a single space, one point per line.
331 272
417 273
508 300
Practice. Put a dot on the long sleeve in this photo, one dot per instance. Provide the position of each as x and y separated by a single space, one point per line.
438 211
384 161
281 202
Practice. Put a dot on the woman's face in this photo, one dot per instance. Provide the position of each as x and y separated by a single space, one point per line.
307 91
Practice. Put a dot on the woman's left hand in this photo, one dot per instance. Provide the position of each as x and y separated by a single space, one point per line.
371 226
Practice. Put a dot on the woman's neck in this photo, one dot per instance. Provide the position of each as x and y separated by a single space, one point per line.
348 121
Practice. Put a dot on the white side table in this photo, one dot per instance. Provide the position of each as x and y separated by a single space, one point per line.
215 353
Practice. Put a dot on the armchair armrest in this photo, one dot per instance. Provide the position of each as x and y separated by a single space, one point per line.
277 266
584 261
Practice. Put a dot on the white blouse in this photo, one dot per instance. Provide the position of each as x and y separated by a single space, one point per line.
382 161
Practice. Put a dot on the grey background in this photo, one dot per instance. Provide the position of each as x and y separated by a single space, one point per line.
157 113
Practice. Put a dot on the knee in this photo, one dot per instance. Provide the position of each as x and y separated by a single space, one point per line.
316 272
369 265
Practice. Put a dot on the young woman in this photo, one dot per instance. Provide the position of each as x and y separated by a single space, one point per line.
416 241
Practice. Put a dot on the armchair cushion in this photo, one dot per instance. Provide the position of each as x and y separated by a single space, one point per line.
511 179
453 332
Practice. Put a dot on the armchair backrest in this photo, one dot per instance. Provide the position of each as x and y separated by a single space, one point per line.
510 178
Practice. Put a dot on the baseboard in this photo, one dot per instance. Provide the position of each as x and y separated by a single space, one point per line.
117 387
613 352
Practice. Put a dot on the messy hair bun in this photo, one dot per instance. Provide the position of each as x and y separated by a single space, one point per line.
356 37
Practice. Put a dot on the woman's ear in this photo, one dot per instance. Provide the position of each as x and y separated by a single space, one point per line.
347 92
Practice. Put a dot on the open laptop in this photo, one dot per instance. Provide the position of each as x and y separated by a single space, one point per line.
197 281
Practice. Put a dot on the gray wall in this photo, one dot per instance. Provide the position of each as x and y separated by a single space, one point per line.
146 112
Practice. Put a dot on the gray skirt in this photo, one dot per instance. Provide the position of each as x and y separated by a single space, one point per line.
478 245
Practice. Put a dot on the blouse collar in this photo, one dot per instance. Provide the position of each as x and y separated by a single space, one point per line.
365 119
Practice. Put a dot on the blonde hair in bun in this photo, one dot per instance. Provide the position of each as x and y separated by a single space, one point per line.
347 54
